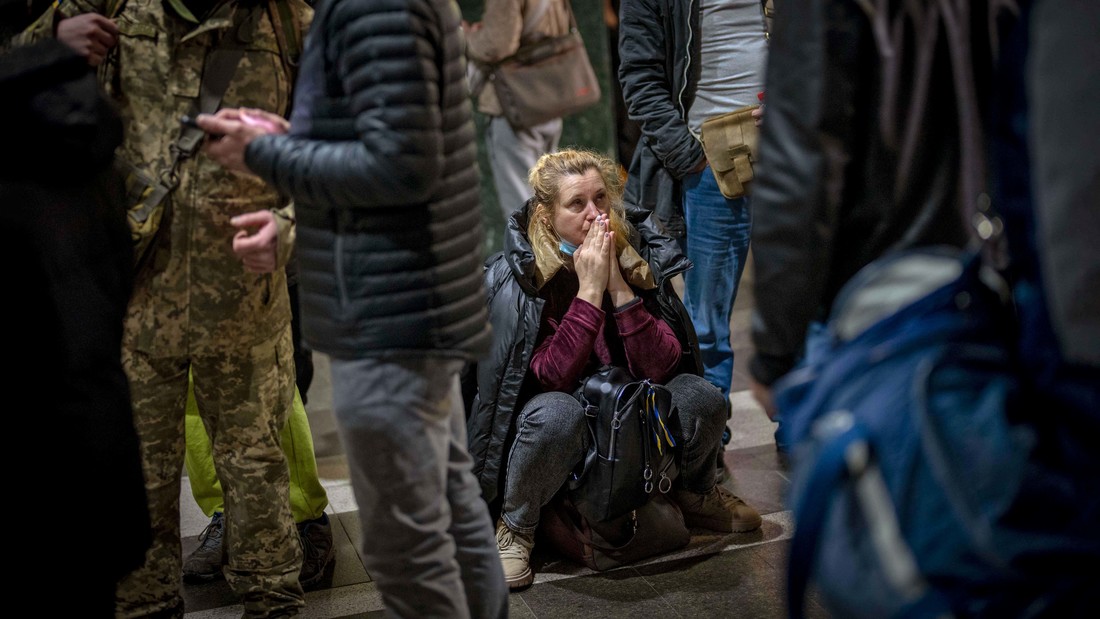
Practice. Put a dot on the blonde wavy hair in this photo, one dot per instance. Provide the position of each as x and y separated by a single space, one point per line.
546 181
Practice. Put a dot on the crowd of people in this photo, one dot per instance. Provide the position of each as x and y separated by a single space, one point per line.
336 174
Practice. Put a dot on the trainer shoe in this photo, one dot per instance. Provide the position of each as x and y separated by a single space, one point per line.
515 556
205 563
317 549
717 510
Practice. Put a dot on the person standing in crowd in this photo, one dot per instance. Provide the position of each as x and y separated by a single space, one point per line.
828 191
70 277
381 161
571 283
679 64
308 498
195 310
507 25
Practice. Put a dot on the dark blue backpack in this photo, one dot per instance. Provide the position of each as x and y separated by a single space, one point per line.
908 468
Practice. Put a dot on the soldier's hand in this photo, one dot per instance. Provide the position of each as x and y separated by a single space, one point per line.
236 134
89 34
256 241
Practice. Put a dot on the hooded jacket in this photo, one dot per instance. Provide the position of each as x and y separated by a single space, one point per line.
659 71
515 313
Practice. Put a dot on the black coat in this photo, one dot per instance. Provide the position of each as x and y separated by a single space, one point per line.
659 73
515 312
382 167
825 202
69 278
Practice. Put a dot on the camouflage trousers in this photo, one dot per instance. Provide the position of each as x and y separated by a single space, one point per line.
245 400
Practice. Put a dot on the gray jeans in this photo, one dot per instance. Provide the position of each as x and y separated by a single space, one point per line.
427 538
552 438
513 153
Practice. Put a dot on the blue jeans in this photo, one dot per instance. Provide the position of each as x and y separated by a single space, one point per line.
426 535
717 242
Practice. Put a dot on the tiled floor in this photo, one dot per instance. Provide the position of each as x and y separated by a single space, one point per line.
736 575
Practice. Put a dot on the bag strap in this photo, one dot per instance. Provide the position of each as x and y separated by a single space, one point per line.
288 33
113 8
534 17
519 53
220 68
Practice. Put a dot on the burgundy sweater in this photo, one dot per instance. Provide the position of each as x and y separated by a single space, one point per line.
576 338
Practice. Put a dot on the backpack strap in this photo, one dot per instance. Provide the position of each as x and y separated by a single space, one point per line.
288 32
113 8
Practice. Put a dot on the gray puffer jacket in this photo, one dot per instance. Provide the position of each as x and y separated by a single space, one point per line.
382 167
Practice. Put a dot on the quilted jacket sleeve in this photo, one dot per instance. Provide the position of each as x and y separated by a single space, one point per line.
386 60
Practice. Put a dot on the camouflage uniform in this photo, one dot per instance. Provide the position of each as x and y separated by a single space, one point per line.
196 307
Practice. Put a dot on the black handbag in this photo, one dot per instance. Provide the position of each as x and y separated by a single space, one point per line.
633 450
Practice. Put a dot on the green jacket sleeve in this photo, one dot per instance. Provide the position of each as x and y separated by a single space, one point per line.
45 27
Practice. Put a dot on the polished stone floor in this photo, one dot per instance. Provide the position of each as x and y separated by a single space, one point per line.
736 575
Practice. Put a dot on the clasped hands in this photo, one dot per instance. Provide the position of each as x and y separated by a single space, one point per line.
597 266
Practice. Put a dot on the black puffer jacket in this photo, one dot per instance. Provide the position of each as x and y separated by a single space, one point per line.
659 70
515 312
382 166
826 201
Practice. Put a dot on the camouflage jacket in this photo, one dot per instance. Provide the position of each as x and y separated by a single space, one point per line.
196 297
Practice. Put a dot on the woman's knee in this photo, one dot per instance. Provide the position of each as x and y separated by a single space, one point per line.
702 406
554 413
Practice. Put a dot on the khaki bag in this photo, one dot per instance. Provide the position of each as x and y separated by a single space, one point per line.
147 198
730 144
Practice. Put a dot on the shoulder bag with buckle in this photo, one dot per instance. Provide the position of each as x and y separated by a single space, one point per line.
547 79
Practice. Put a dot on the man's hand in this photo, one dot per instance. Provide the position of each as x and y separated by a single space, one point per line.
89 34
758 115
763 395
237 129
257 241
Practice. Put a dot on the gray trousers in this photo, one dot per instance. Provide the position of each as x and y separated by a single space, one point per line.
427 538
513 153
552 438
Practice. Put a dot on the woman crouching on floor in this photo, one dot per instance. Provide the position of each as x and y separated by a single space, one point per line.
578 286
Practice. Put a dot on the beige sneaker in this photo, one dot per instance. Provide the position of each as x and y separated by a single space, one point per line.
515 556
717 510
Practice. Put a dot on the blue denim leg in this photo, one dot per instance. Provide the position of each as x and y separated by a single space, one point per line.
718 232
551 439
